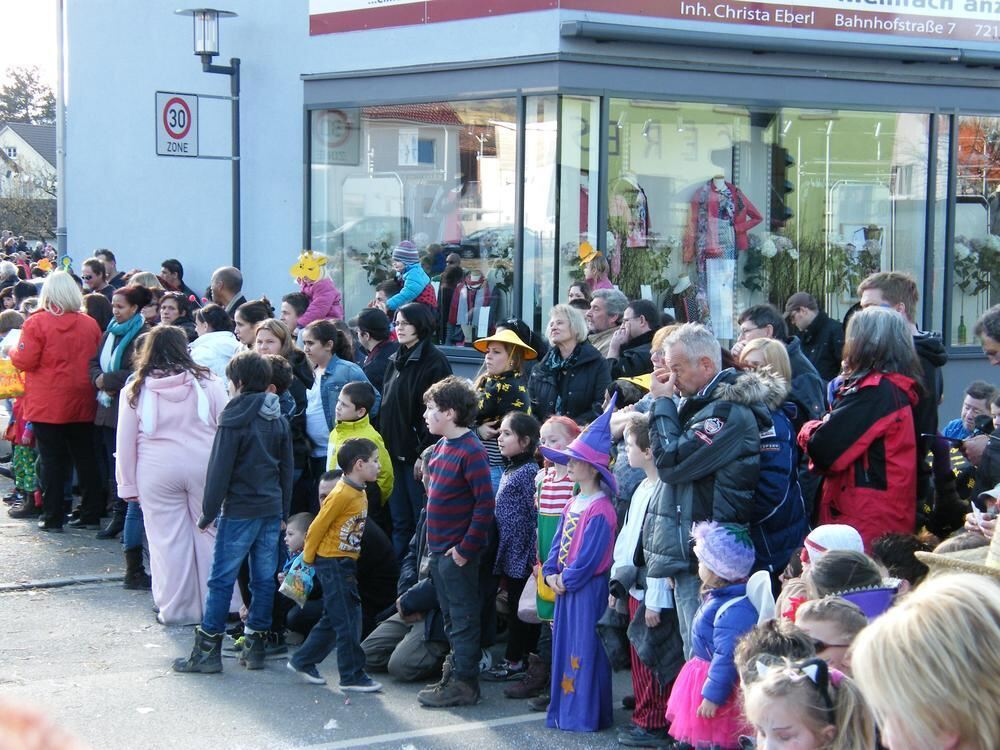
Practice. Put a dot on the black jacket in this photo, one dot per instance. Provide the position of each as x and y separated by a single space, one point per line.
107 416
932 356
808 389
250 469
634 359
376 363
416 594
580 389
378 573
707 457
302 381
409 374
186 324
823 345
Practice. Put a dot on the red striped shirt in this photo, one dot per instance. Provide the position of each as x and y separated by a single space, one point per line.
555 493
459 496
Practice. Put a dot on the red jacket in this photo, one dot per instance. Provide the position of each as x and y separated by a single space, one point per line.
54 352
867 453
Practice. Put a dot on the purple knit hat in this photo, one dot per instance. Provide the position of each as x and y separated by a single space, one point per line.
725 548
406 253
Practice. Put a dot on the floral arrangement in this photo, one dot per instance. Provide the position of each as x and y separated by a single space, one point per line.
849 265
977 263
378 263
498 246
765 254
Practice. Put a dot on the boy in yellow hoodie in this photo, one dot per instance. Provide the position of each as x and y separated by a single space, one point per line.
332 546
354 404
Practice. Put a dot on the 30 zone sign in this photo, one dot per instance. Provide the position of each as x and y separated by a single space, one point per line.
176 124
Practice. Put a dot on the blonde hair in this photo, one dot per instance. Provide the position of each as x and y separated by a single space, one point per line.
846 615
931 663
60 294
853 723
146 279
577 323
661 335
280 331
775 356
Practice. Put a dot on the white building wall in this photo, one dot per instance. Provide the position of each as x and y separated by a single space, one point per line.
121 195
32 169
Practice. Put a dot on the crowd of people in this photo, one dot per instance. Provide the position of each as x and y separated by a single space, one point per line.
747 529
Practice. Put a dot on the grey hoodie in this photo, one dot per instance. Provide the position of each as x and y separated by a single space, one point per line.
250 469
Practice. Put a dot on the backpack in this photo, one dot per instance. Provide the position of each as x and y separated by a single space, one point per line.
428 297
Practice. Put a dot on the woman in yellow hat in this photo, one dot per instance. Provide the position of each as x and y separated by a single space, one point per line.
502 388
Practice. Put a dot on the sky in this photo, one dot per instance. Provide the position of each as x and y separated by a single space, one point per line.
29 37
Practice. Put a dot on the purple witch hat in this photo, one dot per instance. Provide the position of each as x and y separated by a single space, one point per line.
592 446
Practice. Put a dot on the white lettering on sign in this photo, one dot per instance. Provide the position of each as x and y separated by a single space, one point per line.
176 124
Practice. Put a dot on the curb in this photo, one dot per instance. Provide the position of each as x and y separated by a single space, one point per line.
55 583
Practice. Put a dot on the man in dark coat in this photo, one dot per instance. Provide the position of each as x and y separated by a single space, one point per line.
373 333
629 350
822 337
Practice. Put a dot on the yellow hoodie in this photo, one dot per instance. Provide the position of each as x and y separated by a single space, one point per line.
336 531
362 428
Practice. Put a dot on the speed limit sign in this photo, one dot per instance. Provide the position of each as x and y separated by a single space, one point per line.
176 124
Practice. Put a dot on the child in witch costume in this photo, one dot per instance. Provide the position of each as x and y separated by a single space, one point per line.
577 570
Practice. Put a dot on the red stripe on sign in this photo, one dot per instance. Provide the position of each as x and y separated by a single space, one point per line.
454 10
627 7
368 18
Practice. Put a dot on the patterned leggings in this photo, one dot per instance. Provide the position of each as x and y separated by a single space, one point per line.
23 463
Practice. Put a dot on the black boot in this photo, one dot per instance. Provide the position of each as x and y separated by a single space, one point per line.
252 656
206 656
114 527
136 578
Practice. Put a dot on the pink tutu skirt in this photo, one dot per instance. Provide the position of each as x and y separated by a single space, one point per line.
723 731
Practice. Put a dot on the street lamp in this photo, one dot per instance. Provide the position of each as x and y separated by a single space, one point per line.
206 46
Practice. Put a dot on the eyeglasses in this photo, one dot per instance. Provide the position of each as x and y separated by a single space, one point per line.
819 645
745 331
86 277
452 262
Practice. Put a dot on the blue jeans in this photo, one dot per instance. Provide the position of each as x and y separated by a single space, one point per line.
235 539
340 624
687 599
495 473
405 504
135 526
457 590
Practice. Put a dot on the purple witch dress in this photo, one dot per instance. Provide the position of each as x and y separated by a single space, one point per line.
581 674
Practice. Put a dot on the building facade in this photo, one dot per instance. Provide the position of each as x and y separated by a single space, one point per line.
718 154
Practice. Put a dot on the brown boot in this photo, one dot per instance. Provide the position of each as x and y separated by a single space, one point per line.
457 692
535 682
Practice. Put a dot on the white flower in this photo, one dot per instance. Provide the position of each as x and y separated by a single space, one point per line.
974 258
962 251
793 253
768 249
993 242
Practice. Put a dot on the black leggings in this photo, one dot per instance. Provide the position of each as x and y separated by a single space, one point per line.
522 637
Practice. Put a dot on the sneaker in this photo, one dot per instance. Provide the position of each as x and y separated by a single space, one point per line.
539 702
365 684
235 649
505 671
638 737
309 674
14 498
485 661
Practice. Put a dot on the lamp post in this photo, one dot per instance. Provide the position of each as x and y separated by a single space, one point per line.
206 46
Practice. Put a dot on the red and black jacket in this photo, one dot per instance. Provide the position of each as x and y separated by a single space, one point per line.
867 454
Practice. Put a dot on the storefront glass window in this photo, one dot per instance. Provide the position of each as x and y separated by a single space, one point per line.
976 270
441 175
714 208
541 137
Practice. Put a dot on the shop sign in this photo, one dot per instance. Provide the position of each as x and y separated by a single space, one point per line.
336 137
929 20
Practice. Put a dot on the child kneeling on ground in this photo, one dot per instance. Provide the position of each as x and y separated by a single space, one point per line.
333 544
250 481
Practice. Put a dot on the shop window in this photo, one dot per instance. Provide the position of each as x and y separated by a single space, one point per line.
11 152
976 262
442 175
711 209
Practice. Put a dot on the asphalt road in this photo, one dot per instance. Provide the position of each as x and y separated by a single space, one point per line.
93 659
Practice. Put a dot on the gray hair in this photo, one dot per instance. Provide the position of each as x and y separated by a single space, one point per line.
989 324
60 294
697 342
7 269
879 340
614 301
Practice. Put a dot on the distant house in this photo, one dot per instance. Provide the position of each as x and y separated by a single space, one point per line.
27 160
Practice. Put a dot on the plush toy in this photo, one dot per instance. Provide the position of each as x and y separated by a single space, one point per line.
312 274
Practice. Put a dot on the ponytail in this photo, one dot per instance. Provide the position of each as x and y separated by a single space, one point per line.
855 724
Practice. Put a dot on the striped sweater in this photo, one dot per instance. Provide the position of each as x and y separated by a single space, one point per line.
459 496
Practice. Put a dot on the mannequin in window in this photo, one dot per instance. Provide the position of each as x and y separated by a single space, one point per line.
470 297
629 209
721 216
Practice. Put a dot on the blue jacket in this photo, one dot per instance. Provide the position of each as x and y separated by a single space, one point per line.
339 372
715 642
415 280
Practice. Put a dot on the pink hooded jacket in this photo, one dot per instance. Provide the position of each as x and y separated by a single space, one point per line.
325 301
